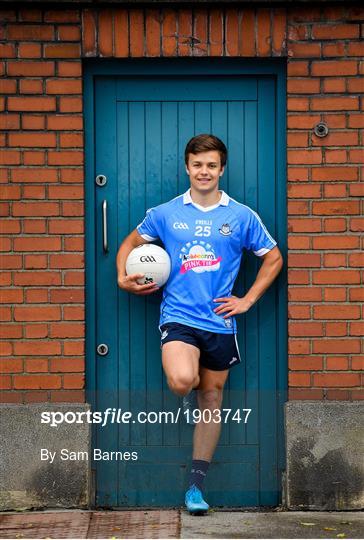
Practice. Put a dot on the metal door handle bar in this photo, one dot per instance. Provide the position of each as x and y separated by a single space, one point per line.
104 226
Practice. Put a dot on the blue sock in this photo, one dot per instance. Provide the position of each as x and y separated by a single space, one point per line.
198 472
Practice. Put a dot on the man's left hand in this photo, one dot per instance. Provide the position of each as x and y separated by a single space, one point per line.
232 305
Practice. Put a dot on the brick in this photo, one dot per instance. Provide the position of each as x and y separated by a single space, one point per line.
333 49
5 382
62 226
338 311
33 139
355 86
301 363
279 31
334 260
334 294
71 209
356 328
335 277
67 296
34 243
323 174
309 191
304 294
31 86
11 365
335 207
9 121
336 242
66 86
334 67
29 50
10 226
67 330
216 36
71 140
70 104
298 208
72 176
64 50
355 48
169 32
340 103
35 209
37 381
74 381
65 122
30 15
73 348
32 121
304 157
66 192
31 104
121 29
302 329
73 313
69 33
64 15
303 260
356 156
105 32
335 31
30 69
70 69
37 278
298 68
9 192
36 331
299 311
136 29
36 348
336 329
232 32
356 190
299 379
357 224
335 156
68 396
152 33
8 86
39 313
64 365
63 157
36 226
7 50
298 121
356 259
304 50
304 393
36 365
336 346
357 363
303 86
74 278
248 43
31 32
89 32
34 192
10 261
5 314
336 379
36 296
9 157
66 261
333 85
35 397
74 244
11 296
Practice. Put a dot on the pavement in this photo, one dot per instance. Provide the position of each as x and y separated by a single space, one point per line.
177 523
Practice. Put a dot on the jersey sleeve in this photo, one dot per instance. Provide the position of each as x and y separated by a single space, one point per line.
148 228
256 236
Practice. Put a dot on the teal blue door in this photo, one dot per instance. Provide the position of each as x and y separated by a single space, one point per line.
138 120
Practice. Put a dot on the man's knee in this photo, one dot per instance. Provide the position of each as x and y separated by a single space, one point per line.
182 384
211 398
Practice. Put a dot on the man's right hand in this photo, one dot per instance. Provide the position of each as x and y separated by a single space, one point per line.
130 284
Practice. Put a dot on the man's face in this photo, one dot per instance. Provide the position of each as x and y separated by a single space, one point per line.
204 170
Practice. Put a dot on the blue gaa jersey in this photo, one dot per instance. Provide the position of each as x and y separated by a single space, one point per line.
205 246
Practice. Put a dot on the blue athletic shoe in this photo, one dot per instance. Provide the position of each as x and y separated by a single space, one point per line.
194 501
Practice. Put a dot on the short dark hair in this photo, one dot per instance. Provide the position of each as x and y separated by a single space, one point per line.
204 143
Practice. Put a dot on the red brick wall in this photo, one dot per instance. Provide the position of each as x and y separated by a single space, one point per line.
42 212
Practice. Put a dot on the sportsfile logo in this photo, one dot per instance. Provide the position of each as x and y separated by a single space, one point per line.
180 225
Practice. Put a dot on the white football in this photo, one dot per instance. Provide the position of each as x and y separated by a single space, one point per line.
150 260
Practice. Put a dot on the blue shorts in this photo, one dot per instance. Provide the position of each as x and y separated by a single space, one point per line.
217 351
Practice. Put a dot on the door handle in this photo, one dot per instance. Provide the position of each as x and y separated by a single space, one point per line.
104 226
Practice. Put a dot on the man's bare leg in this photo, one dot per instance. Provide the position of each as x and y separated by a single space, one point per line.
181 365
209 394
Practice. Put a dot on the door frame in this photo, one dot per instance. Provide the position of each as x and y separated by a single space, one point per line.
274 67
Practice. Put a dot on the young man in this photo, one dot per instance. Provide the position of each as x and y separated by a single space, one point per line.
204 231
